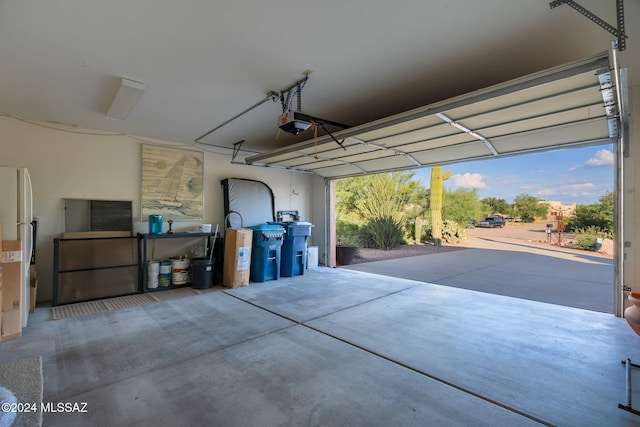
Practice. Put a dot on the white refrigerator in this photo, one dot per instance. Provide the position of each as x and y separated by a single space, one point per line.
16 212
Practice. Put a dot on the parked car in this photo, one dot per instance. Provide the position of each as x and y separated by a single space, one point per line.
491 222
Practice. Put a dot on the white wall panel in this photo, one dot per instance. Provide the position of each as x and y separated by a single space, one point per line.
86 164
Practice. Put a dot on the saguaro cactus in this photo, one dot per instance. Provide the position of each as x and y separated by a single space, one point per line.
437 177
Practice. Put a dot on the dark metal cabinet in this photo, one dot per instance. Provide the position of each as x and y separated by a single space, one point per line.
92 268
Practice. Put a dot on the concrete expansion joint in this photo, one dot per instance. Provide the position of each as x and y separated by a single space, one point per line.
380 355
263 308
326 314
361 303
431 376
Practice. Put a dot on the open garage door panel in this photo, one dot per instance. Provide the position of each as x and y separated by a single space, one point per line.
564 106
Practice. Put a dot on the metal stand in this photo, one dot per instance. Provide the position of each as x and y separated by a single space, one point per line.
628 406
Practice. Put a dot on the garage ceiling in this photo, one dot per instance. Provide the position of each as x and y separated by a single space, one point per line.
567 105
203 62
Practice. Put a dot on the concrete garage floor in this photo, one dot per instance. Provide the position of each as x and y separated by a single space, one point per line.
335 347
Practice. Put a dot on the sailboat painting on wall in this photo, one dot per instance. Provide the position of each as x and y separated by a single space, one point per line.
172 183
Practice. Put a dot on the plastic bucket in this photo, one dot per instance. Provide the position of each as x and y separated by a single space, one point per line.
180 272
202 273
164 279
153 274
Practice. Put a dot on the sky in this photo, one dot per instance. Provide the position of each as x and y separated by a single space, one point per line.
573 175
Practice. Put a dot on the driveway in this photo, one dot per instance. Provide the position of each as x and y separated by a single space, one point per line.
515 262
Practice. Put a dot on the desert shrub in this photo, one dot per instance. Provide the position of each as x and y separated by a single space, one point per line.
347 233
584 241
410 230
383 233
452 232
586 238
426 229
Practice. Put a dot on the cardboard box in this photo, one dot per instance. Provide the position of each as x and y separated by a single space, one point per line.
237 257
11 304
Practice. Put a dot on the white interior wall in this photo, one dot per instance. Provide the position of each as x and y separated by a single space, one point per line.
68 162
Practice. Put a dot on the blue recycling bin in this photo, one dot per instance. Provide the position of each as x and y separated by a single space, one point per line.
265 252
293 260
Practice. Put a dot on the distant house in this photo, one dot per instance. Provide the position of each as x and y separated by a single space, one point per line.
555 208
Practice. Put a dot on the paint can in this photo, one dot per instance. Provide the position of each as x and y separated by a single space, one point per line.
153 274
180 269
164 279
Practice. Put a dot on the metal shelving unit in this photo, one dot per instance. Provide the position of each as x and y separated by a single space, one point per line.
143 239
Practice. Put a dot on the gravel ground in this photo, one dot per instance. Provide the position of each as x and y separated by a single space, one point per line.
534 233
368 255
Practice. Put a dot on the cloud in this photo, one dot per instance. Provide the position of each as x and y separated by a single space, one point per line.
602 158
576 187
468 180
569 190
547 192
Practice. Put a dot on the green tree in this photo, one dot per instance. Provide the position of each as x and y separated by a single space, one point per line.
494 205
461 205
392 199
383 195
528 208
598 215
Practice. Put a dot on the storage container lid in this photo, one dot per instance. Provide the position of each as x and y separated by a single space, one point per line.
271 227
268 231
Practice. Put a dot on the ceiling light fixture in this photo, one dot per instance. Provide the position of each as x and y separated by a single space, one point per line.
125 99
